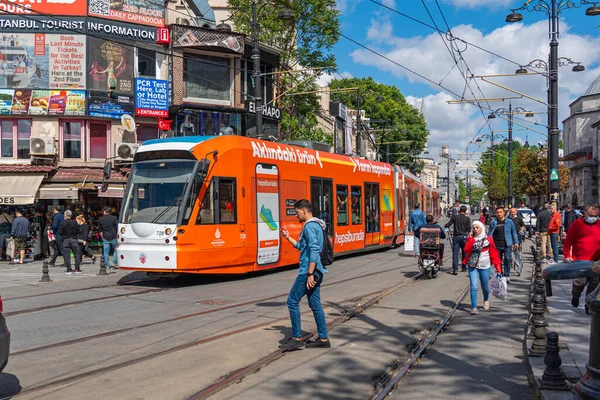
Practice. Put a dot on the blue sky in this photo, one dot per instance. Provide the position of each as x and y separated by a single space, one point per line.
481 22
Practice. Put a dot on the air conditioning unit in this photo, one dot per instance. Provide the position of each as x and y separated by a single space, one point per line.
124 151
42 146
182 21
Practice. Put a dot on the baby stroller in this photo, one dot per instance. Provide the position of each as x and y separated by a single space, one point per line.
429 252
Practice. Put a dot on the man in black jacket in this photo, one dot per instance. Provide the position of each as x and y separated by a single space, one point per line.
570 217
462 227
70 230
541 227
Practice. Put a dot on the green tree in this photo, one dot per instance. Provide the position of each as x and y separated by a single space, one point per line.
493 168
306 43
531 176
405 129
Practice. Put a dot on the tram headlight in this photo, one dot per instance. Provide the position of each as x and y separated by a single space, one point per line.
122 230
168 231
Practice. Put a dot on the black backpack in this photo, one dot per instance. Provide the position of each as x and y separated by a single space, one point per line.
327 250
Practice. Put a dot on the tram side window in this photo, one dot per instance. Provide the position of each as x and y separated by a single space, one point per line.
190 202
342 205
227 201
356 197
207 213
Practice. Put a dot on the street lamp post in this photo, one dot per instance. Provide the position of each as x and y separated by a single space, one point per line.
510 112
553 8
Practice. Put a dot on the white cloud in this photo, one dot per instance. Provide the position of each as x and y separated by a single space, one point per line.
380 30
325 78
347 6
455 125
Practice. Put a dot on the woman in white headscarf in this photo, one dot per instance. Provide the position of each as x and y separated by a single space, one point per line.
480 254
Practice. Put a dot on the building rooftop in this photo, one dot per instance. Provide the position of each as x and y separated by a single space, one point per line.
594 87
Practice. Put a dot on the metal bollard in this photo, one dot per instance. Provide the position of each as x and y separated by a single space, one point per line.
45 272
553 377
539 330
537 296
588 387
102 267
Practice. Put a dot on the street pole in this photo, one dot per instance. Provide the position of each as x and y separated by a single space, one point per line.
448 181
256 74
553 128
510 143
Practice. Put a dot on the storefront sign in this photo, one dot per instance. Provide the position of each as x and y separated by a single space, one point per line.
42 102
151 97
163 36
134 11
267 111
99 105
110 65
188 36
33 7
11 23
42 60
120 30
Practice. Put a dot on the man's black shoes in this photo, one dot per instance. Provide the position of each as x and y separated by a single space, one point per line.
291 344
575 302
319 343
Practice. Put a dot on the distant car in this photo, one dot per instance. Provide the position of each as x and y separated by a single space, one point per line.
529 218
4 340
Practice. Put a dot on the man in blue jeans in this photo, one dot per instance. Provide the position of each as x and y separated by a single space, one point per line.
108 226
309 279
504 233
416 220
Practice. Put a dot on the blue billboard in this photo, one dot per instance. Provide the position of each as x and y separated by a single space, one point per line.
151 97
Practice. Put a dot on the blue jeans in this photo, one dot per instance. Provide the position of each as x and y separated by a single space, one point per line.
416 246
106 246
458 246
314 301
476 275
554 244
505 254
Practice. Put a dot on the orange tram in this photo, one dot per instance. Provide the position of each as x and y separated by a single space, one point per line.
215 205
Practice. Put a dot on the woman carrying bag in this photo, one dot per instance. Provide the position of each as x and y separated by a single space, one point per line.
481 254
83 238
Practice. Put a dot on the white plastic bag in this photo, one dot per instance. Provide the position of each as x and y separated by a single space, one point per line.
499 287
409 243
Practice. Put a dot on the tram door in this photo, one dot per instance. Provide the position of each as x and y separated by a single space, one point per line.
372 224
321 192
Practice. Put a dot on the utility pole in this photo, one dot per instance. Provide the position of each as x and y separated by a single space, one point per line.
553 131
510 149
358 124
256 74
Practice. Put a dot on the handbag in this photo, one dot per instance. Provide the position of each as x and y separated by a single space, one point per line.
409 243
10 248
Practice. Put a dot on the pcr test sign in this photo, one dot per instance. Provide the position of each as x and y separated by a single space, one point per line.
151 97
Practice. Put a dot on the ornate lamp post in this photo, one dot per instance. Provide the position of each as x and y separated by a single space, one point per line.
553 8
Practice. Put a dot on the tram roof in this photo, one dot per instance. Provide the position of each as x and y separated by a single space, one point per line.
174 143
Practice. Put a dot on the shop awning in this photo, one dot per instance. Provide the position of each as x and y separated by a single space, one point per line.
58 191
19 189
117 191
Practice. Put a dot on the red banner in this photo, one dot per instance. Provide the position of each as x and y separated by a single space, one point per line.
151 113
39 43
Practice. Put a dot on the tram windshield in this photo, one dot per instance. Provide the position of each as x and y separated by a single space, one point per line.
155 191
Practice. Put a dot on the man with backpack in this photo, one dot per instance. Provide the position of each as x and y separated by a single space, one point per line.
312 243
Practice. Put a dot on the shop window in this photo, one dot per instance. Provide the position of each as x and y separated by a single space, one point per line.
219 196
356 197
342 205
15 132
146 63
146 133
227 203
208 79
208 123
71 139
98 140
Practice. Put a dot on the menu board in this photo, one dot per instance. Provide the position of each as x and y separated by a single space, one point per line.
42 102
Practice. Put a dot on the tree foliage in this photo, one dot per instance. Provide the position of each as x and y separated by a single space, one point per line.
493 168
305 43
532 175
403 122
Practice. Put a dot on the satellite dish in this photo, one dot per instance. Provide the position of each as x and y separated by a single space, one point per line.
128 122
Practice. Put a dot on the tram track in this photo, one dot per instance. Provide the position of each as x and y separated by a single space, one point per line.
185 316
359 308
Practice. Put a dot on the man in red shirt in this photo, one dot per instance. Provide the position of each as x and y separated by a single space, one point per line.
583 243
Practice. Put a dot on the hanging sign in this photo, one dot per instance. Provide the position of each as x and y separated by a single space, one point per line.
554 174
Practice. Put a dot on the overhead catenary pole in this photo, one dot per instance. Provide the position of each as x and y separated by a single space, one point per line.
510 150
256 74
553 131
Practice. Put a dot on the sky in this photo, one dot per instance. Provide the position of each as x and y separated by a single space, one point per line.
480 23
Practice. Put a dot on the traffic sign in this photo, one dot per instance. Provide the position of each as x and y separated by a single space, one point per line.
467 199
554 174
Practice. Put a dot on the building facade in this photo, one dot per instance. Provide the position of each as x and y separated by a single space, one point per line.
581 147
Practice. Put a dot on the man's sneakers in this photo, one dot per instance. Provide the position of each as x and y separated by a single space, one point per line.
575 302
291 344
322 343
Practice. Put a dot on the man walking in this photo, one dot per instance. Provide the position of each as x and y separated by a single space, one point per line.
19 232
541 227
108 226
504 233
58 239
462 227
554 230
309 279
519 224
417 219
570 217
70 230
583 243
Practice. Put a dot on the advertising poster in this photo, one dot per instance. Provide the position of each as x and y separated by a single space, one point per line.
6 97
110 65
40 7
39 102
151 97
99 105
75 102
132 11
267 208
42 61
20 103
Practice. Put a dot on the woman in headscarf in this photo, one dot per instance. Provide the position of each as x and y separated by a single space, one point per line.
480 254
